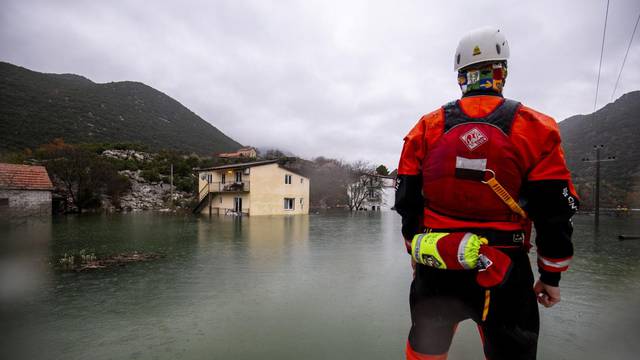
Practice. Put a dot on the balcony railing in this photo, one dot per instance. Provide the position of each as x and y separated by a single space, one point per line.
227 187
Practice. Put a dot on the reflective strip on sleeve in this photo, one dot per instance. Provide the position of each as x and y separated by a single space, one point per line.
554 265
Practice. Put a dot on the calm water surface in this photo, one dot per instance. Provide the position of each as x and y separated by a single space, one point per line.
330 286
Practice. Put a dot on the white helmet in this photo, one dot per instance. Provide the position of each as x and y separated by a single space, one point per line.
480 45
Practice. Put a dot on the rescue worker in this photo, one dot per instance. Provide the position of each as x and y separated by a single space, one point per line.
488 167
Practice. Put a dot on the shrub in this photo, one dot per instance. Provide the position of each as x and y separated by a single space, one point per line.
151 175
186 184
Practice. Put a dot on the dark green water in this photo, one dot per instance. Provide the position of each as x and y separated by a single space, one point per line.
331 286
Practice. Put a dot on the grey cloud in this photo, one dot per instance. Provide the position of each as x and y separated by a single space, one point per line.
339 79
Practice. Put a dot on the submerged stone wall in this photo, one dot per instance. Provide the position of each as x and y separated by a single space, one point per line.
25 202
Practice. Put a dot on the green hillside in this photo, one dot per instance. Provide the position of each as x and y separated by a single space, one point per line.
617 127
36 108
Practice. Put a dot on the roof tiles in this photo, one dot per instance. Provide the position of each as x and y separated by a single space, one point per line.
26 177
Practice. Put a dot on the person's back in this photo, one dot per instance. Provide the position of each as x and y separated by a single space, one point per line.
473 167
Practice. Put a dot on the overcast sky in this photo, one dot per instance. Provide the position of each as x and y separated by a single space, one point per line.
343 79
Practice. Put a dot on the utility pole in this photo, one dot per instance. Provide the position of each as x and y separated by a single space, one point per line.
172 204
598 160
598 183
209 177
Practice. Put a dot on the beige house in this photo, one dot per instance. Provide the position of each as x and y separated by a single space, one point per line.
255 188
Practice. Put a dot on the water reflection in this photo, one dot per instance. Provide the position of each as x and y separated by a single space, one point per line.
23 273
600 294
320 286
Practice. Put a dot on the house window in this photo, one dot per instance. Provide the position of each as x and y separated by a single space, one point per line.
301 180
301 203
289 203
209 178
287 179
238 176
223 178
4 201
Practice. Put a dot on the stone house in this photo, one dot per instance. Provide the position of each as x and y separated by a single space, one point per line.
24 190
254 188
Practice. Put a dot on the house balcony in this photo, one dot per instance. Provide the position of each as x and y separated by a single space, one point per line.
227 187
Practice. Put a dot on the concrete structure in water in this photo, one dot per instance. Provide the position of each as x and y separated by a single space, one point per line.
24 190
255 188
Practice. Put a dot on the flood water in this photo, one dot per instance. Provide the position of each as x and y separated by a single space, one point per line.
329 286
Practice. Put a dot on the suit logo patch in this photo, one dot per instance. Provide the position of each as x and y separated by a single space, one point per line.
474 138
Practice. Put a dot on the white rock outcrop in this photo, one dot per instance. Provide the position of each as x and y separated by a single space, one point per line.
146 195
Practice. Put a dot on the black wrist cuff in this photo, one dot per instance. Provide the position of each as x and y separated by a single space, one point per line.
549 278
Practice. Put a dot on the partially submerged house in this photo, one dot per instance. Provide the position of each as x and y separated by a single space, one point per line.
254 188
24 190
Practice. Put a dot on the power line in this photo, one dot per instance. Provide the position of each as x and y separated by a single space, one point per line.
625 57
604 32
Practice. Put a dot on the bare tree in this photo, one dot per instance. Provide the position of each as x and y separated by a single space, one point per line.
328 181
363 185
82 175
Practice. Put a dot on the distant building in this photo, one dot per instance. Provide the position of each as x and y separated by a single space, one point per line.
24 190
380 194
254 188
388 196
245 152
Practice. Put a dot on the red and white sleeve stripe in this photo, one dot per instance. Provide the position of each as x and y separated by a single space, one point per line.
553 265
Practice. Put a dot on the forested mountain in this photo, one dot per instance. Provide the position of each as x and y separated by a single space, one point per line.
617 127
36 108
